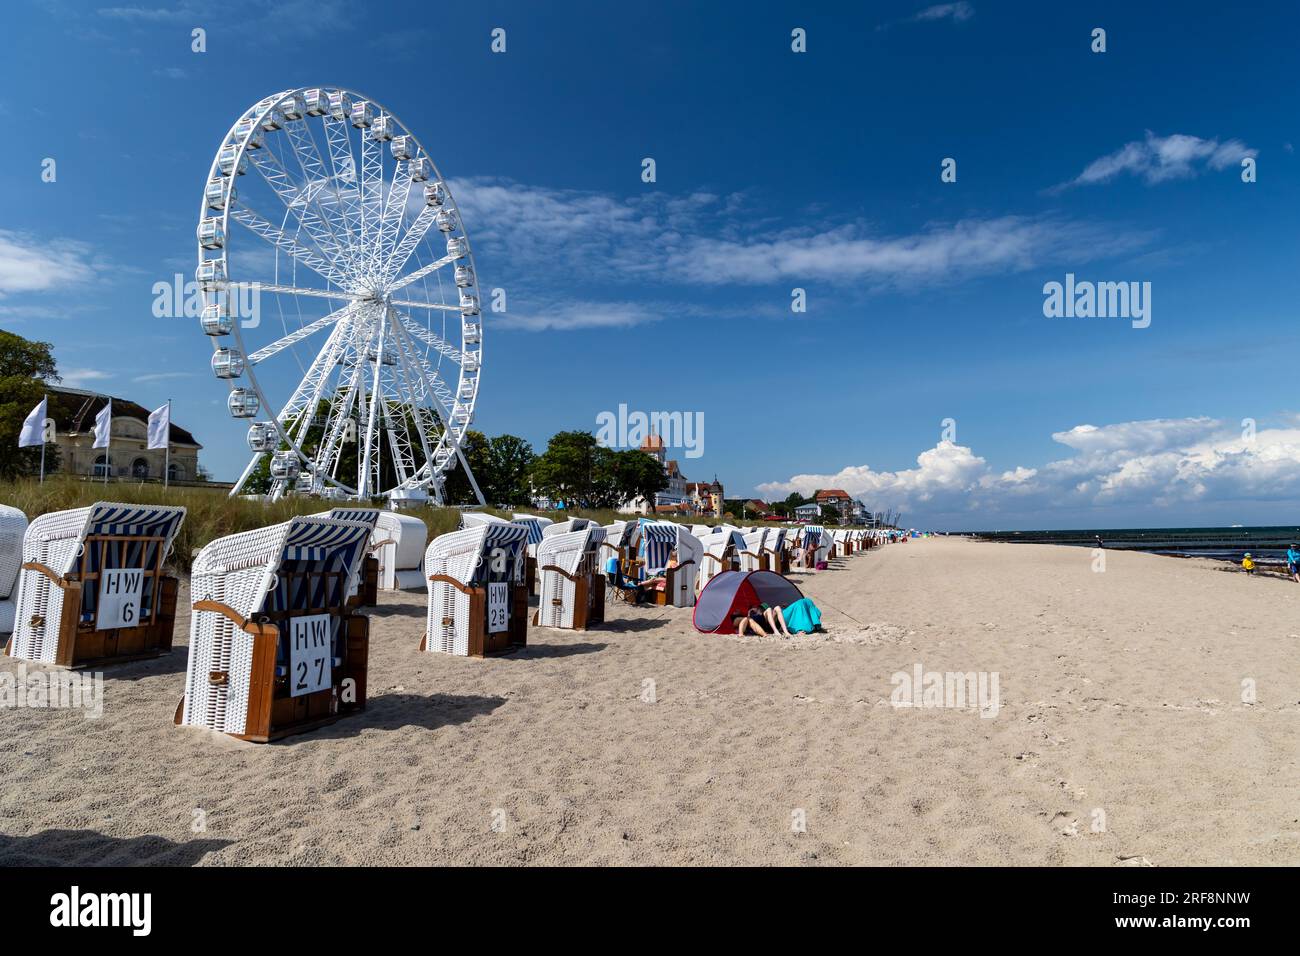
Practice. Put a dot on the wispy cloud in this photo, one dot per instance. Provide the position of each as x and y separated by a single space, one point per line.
31 264
162 376
566 316
957 12
1158 159
79 377
707 239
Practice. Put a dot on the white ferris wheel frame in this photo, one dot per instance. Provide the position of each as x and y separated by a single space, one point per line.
367 280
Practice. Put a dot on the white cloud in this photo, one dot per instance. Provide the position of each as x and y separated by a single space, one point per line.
1159 463
162 376
957 12
579 315
703 238
78 377
28 264
1157 159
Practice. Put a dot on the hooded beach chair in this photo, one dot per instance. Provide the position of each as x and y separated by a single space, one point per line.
13 525
572 583
751 556
775 555
721 552
276 645
92 589
535 526
657 543
398 545
365 590
478 599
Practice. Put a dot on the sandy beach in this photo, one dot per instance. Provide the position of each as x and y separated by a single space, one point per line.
1121 736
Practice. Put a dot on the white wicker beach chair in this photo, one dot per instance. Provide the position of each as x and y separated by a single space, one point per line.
720 552
536 526
13 525
478 599
275 645
751 556
69 558
564 527
572 585
398 543
657 543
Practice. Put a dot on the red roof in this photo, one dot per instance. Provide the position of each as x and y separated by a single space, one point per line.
827 493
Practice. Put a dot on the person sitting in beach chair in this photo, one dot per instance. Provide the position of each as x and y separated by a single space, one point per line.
1248 564
800 617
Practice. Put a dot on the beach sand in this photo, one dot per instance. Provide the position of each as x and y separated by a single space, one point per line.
1121 736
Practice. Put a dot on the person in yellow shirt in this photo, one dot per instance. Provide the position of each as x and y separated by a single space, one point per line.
1248 564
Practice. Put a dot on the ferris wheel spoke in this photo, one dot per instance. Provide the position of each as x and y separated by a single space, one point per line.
440 306
314 172
344 166
419 226
391 218
317 293
297 335
372 184
421 272
430 339
258 224
296 198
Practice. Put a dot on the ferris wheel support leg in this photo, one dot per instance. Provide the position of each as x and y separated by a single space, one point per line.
247 472
470 475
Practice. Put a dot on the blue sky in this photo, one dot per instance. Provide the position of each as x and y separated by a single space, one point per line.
775 170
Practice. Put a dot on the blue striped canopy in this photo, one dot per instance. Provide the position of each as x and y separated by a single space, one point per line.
367 516
534 528
658 538
134 521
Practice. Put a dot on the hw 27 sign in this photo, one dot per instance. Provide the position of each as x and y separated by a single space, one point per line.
311 660
120 591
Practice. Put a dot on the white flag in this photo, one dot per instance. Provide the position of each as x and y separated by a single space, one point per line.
33 432
103 422
160 424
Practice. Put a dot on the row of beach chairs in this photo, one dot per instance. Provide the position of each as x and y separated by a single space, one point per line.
277 643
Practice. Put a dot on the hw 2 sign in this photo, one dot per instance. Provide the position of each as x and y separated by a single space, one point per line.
311 662
119 598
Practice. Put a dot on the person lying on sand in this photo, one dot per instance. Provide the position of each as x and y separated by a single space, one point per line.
750 622
801 617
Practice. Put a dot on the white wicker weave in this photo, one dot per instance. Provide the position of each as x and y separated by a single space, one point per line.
458 555
753 550
718 550
575 552
239 571
56 541
13 525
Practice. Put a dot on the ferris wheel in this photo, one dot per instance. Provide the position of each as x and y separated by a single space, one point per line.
341 299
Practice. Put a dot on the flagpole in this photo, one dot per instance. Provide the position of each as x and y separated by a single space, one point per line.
167 455
45 401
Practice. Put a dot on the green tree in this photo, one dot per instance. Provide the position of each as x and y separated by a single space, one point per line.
510 460
565 471
26 368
